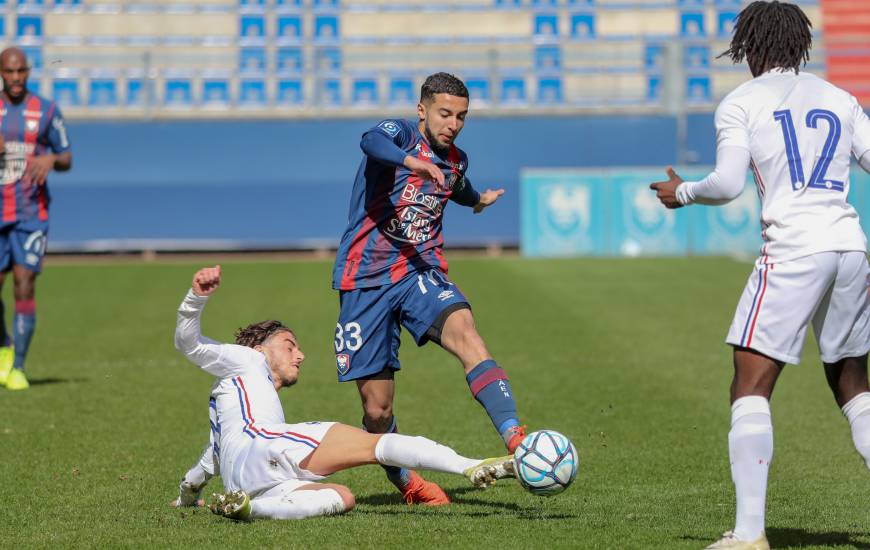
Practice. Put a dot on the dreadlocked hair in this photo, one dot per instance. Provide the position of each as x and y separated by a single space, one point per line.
257 333
774 34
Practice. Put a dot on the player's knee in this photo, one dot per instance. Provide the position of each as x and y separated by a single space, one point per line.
346 497
378 416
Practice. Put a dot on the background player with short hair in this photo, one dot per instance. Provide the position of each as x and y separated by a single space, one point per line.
270 468
34 142
390 270
796 132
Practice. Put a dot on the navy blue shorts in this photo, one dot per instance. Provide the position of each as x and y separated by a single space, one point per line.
24 246
370 320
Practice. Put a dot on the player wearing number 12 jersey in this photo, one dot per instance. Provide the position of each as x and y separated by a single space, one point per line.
391 273
796 132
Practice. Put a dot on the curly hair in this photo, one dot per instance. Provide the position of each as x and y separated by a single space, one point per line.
774 34
442 83
257 333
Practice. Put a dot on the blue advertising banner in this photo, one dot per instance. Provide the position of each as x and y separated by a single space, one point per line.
613 212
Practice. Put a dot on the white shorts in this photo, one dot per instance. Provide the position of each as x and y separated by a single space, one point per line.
274 456
779 301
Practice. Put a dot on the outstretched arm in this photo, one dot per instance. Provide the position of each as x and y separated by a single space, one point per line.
378 146
721 186
213 357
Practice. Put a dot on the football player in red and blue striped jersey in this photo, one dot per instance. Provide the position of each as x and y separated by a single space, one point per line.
34 142
391 272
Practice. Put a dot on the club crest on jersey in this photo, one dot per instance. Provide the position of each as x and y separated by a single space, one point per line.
31 125
342 362
390 127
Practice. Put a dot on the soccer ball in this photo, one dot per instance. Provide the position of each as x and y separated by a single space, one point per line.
546 463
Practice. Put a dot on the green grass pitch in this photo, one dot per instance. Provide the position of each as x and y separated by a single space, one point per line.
626 357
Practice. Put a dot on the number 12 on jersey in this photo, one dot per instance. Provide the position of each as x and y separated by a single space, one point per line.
795 168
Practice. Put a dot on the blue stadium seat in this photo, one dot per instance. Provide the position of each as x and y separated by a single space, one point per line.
508 3
34 56
546 24
252 29
728 4
402 91
550 90
582 25
478 89
698 89
365 91
654 57
288 5
252 92
252 3
692 25
61 5
329 93
696 57
136 93
325 27
177 92
103 92
513 90
215 92
654 89
691 3
548 58
545 3
29 29
252 60
585 3
289 60
30 6
325 4
725 23
327 59
66 92
290 92
289 28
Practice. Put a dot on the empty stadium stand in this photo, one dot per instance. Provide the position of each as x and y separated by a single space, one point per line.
191 58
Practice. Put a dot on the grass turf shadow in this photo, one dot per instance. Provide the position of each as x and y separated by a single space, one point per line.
54 380
799 538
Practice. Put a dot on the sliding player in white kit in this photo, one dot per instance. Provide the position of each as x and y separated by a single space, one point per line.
269 468
796 132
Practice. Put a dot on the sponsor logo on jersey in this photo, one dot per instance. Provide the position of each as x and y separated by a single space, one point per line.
16 160
342 362
420 151
445 295
390 128
413 223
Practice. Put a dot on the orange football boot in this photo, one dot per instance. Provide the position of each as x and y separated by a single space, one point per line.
516 438
420 491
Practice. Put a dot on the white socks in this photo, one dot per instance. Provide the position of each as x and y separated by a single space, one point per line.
297 505
750 446
857 411
420 453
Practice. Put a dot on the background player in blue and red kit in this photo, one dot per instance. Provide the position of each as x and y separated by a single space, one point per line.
34 142
391 272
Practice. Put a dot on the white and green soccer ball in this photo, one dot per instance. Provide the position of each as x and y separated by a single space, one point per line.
546 463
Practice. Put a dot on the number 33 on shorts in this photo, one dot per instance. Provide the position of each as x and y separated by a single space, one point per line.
347 337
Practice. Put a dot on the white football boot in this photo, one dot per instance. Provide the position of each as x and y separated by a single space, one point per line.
490 470
731 542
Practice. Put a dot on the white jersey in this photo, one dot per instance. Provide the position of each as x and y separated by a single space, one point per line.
244 405
800 131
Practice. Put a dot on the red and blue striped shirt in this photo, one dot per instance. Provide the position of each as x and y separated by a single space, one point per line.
29 128
395 217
